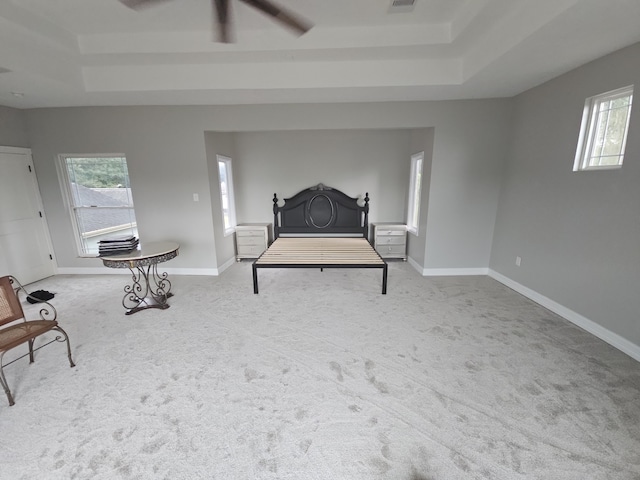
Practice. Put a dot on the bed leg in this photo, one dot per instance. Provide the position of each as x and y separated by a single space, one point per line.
384 280
255 278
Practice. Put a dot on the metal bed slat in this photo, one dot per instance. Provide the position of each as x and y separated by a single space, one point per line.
308 252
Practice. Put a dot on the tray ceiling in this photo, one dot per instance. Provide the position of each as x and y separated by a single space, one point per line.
98 52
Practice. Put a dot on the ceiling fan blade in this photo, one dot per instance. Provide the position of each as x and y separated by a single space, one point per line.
282 15
137 4
221 8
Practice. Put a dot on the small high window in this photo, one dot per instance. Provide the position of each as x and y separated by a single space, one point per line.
415 187
603 134
226 194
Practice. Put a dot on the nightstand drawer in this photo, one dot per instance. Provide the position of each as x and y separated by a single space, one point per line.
392 250
391 239
257 240
250 233
250 250
386 232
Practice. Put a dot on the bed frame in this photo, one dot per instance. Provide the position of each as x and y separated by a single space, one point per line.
320 227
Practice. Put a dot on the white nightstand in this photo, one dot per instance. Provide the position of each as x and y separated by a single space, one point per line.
390 240
252 239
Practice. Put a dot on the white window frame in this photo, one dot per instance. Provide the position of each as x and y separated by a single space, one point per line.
415 191
72 208
228 213
585 152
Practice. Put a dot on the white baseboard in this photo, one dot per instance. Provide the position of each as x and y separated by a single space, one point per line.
446 272
226 265
91 271
210 272
414 264
590 326
450 272
125 271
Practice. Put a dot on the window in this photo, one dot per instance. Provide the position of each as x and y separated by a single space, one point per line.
415 186
99 197
226 194
603 133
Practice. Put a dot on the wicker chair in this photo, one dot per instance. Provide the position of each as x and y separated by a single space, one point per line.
16 330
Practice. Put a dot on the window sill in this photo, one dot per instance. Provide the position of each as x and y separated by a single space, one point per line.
599 169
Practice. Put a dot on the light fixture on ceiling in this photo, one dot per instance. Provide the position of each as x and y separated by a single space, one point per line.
222 13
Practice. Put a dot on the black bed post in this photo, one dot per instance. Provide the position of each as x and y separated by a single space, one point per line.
365 227
276 226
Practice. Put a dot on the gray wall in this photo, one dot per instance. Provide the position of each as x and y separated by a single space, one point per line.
466 171
167 165
353 161
169 155
578 233
13 128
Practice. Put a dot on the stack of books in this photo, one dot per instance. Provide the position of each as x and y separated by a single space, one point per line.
117 244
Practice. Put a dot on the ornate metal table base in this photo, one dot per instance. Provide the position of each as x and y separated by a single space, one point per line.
148 288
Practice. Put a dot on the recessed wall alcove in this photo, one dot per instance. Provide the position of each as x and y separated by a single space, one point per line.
355 161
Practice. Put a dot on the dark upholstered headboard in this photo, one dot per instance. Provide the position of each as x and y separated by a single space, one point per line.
321 210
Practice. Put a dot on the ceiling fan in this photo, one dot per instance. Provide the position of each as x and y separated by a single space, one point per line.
221 7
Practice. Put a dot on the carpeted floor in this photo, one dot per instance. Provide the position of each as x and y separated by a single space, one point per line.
320 377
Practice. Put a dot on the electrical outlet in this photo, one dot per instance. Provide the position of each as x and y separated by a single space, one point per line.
196 198
518 261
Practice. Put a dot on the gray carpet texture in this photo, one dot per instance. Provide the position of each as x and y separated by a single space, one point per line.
319 377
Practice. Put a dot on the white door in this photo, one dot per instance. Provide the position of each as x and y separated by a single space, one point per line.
25 247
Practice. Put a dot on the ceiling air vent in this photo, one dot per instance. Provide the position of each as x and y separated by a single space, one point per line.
401 5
